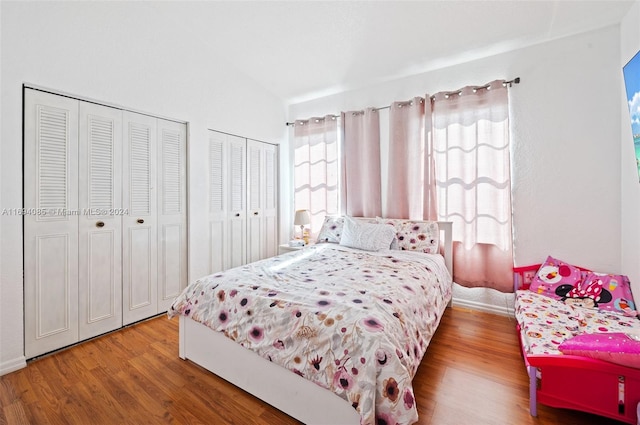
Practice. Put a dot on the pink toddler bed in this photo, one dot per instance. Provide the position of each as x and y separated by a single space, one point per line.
579 382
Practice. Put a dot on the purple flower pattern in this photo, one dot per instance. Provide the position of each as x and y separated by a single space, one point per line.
412 236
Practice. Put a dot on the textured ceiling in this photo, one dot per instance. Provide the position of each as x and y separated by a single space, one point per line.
301 50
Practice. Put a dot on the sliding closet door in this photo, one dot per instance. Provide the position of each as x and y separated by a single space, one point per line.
100 219
139 237
218 201
172 212
50 222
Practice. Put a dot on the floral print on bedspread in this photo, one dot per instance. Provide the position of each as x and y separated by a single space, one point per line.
357 323
546 322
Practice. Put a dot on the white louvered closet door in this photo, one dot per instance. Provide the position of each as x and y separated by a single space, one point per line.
262 200
270 210
236 242
172 212
139 237
50 227
243 200
218 201
105 226
255 201
100 219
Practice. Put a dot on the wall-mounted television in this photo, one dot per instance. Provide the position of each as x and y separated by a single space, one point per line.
631 73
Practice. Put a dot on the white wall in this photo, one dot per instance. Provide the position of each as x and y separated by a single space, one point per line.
630 217
565 144
133 54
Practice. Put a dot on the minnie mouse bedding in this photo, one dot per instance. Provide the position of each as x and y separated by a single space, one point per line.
545 323
583 288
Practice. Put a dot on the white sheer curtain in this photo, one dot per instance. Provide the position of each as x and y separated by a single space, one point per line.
472 171
316 170
361 194
406 171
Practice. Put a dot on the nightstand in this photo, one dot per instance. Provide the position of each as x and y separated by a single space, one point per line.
284 248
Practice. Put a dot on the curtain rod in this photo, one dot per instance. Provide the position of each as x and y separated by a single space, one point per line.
505 83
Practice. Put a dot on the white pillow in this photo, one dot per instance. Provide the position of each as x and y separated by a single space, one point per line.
331 230
366 236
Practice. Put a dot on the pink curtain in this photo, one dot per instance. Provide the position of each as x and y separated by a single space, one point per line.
471 155
361 192
405 182
316 170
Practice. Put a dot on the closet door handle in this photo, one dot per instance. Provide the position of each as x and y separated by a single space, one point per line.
140 221
255 213
100 224
237 214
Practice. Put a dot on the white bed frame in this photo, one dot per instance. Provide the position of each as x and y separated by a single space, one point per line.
277 386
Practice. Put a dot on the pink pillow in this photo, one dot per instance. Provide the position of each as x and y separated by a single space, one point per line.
615 347
615 291
552 274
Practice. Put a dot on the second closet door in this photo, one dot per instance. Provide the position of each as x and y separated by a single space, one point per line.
262 200
236 240
154 196
139 236
172 212
100 219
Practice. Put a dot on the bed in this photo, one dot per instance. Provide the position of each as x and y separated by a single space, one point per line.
596 376
356 326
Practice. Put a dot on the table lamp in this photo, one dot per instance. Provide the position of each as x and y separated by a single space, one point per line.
301 219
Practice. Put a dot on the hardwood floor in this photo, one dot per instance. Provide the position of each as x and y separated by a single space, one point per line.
472 374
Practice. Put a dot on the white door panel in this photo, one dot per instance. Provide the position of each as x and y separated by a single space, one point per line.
100 219
50 222
270 211
172 212
139 236
141 271
263 199
217 245
255 201
237 241
172 272
237 198
218 201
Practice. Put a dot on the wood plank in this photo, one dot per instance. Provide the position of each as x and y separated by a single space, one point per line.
14 413
472 373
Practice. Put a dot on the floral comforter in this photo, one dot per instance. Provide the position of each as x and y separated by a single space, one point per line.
355 322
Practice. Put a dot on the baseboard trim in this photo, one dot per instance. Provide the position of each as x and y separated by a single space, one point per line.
13 365
486 308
